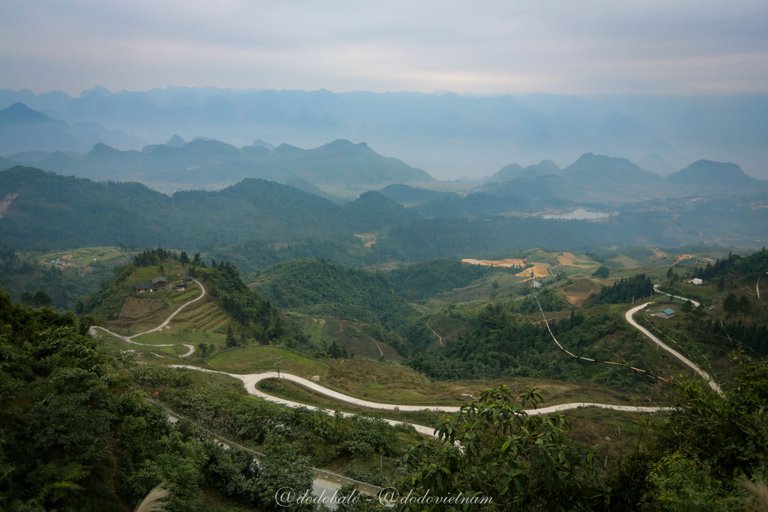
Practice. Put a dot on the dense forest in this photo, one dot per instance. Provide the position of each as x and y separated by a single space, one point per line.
625 290
323 287
504 343
421 281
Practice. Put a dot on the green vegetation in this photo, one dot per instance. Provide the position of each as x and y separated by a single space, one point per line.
322 287
97 443
504 343
475 328
257 317
422 281
625 290
701 457
220 404
744 267
492 449
256 359
66 278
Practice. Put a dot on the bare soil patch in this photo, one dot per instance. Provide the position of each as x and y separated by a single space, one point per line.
539 270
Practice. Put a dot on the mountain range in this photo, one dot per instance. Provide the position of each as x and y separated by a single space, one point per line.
449 135
342 168
201 163
267 221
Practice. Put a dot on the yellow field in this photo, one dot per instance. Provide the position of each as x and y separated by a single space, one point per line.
568 259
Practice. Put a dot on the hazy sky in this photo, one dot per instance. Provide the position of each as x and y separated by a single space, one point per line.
481 46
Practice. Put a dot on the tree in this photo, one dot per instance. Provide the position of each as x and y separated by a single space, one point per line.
231 340
602 272
493 449
731 305
700 455
281 468
744 305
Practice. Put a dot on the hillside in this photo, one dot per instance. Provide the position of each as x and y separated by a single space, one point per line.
125 305
323 288
52 211
422 281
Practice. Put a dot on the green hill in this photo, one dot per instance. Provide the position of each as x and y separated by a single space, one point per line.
421 281
230 308
323 288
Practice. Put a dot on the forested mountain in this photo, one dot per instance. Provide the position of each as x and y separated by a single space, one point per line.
411 196
45 210
53 211
599 178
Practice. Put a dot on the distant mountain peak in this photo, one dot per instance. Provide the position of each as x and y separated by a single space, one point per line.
102 149
595 165
344 144
176 141
713 175
259 143
20 113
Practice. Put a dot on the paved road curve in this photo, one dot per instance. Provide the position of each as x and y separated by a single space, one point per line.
251 380
629 316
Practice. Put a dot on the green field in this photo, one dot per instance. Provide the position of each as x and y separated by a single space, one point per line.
255 359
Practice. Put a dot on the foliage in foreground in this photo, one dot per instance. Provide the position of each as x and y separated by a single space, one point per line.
711 454
76 434
493 449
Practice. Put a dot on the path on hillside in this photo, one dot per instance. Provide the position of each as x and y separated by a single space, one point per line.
673 296
163 325
250 382
439 338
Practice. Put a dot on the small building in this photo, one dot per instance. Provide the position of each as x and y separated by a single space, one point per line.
160 281
697 281
665 313
144 288
180 286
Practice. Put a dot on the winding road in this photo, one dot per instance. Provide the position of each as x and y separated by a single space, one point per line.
251 381
130 339
629 316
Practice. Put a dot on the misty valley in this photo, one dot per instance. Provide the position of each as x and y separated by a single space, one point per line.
194 315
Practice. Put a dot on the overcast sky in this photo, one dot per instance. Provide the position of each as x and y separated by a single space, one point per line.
477 46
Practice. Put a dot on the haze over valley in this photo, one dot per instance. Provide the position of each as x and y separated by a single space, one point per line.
366 257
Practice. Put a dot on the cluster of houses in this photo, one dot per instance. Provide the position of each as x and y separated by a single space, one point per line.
161 283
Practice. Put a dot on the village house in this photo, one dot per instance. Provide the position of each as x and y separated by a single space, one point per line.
665 313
